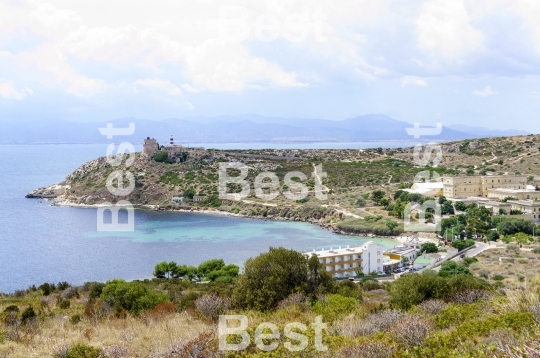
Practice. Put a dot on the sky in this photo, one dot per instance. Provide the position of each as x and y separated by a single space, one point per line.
474 62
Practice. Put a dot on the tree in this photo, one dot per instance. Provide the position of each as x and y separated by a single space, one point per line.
442 199
447 208
274 275
166 270
493 236
216 270
377 195
212 201
189 193
463 244
530 178
522 238
428 248
391 225
461 206
512 226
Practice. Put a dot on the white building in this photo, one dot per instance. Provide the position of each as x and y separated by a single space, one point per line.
349 261
426 189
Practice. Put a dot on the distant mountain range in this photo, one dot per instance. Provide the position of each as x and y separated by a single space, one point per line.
246 128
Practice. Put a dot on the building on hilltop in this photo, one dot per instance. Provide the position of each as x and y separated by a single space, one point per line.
151 147
349 261
463 186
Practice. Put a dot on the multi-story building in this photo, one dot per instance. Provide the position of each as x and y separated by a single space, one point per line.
456 186
529 208
349 261
520 194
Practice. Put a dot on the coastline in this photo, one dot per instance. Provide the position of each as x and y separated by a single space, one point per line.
67 203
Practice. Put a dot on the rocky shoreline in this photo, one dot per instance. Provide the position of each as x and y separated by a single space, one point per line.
53 195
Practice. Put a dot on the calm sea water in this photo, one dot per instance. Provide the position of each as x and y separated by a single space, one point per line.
40 243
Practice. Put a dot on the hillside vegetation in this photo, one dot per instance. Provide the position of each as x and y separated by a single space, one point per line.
455 314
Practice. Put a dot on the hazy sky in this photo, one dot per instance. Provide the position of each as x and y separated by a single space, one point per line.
475 62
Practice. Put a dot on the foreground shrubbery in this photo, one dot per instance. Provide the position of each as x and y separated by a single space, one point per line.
418 315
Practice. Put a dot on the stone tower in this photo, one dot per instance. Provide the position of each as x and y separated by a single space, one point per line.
150 147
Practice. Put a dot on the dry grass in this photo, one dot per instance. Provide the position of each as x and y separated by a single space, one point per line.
522 267
136 336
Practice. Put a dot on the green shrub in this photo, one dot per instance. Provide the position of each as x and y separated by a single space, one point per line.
28 314
133 297
95 289
450 268
11 308
498 277
463 244
333 306
162 157
274 275
64 304
80 351
75 319
410 290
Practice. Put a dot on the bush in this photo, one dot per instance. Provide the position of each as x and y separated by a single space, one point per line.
369 225
432 306
297 298
11 308
46 288
64 304
212 306
450 268
28 314
284 272
75 319
411 331
470 296
411 290
468 261
80 351
334 306
70 292
162 157
134 297
371 349
95 289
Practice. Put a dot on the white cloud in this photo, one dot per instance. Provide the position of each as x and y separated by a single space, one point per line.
444 28
8 91
486 92
162 86
190 88
413 81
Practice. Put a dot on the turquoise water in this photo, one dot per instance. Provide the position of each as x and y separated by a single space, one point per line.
39 242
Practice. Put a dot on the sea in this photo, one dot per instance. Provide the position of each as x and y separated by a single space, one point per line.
43 243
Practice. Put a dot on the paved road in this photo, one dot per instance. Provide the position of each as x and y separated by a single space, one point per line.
480 247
